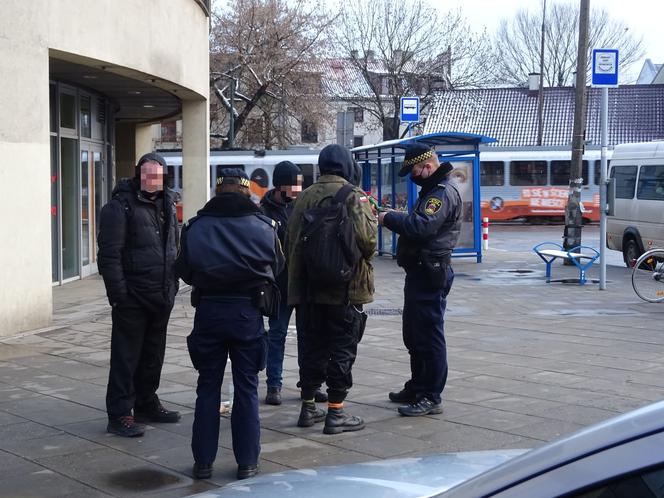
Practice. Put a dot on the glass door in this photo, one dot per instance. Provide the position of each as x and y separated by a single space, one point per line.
92 200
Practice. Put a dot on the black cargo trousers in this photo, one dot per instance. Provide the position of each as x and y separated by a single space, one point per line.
329 338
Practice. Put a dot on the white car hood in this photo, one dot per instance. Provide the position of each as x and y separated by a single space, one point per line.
404 477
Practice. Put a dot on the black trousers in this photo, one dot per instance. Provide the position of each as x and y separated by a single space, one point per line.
329 340
424 333
226 327
138 343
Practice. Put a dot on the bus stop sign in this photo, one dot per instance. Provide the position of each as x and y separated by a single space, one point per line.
605 67
410 109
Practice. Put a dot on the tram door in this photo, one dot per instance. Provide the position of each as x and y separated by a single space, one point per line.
91 201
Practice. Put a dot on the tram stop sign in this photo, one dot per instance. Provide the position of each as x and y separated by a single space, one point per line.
410 109
605 67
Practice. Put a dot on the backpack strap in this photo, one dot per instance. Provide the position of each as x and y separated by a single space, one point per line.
343 193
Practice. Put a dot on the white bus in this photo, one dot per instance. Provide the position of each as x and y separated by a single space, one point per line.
636 220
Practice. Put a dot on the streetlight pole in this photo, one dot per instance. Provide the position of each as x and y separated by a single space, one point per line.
573 217
540 95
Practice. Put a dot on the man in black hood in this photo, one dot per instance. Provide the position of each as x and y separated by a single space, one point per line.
332 316
138 237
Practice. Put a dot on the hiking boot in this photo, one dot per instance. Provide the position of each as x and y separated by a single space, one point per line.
273 396
202 470
246 471
320 396
158 415
422 407
309 414
125 426
338 421
402 396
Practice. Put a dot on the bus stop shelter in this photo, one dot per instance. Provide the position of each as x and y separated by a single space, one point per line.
380 166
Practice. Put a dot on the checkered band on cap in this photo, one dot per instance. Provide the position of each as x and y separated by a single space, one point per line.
418 159
233 180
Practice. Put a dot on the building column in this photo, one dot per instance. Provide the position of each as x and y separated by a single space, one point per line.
143 137
195 156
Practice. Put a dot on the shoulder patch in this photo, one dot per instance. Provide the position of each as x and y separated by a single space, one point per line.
432 206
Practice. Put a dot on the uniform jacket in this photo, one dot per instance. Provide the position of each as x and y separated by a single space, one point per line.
432 228
229 246
137 246
361 289
280 213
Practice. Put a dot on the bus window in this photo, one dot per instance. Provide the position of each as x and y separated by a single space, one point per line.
308 173
492 173
625 181
527 173
219 168
560 172
598 166
651 183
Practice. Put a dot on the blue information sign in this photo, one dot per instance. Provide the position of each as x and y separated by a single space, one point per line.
605 67
410 109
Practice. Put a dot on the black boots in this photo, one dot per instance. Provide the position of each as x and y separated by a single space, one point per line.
125 426
320 396
246 471
422 407
158 415
338 421
273 396
309 414
202 470
402 396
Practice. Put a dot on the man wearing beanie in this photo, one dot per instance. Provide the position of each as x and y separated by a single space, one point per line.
138 237
331 314
230 254
427 236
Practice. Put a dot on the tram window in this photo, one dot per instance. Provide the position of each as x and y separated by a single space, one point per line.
308 174
492 173
170 177
560 172
651 183
527 173
625 181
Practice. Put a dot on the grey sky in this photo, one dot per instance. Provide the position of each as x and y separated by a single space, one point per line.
643 17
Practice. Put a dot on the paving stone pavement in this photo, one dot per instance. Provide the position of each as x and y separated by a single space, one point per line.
529 362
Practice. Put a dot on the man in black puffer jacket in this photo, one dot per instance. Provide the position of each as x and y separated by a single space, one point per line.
138 238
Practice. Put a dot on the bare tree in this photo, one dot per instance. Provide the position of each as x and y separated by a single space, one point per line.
518 52
261 55
406 48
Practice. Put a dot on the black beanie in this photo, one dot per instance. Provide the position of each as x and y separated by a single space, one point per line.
285 174
150 156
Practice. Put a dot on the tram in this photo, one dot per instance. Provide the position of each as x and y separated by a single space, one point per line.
531 184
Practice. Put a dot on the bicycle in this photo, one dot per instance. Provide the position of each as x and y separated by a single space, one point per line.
648 276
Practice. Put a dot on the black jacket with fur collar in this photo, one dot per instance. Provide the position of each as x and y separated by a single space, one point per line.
230 245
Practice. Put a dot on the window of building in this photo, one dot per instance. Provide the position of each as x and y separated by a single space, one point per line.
527 173
651 183
492 173
358 141
68 110
625 178
560 172
358 112
86 130
169 131
309 132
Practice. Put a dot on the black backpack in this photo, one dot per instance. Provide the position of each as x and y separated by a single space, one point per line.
329 248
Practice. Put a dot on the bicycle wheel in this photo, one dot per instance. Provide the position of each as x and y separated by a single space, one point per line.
648 276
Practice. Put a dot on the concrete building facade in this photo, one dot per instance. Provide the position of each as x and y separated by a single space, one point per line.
81 84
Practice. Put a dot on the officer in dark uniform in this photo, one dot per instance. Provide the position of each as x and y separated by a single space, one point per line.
230 254
427 236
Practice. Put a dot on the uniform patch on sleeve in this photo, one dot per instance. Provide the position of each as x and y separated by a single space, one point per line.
432 206
364 198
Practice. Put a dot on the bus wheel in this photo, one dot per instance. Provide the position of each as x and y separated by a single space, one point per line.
631 252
